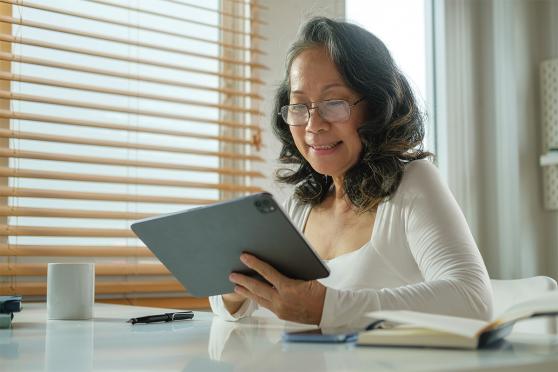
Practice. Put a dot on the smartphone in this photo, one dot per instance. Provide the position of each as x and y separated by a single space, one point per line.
319 335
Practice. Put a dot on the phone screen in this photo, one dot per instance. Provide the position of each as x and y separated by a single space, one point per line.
318 335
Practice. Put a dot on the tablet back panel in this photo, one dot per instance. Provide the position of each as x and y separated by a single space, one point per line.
202 246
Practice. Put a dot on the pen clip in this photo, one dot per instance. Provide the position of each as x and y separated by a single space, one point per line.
188 315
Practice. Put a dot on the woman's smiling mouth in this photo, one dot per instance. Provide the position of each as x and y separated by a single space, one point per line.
325 148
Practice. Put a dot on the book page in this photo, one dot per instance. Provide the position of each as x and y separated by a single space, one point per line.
444 323
546 303
412 336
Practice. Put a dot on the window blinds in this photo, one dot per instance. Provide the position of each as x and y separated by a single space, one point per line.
116 110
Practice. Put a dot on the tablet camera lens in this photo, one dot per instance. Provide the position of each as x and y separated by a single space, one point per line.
265 206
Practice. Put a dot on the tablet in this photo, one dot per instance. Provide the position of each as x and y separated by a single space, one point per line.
202 246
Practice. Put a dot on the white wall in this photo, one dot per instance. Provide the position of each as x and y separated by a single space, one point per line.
283 18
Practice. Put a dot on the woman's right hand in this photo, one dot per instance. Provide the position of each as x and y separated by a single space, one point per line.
233 301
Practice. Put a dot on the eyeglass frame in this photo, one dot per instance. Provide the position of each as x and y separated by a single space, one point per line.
308 108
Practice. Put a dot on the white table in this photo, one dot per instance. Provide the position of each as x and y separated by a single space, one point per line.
207 343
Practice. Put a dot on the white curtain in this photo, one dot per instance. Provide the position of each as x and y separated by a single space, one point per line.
487 56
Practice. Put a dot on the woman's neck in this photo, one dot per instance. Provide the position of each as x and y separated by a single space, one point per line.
339 191
337 199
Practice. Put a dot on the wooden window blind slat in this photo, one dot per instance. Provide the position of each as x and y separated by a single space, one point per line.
128 110
186 302
114 39
126 58
4 133
82 195
7 230
227 14
22 250
70 213
30 173
98 71
119 111
160 286
170 16
253 4
100 269
52 9
123 162
121 92
126 127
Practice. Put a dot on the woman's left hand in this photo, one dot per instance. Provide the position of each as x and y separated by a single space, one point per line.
290 299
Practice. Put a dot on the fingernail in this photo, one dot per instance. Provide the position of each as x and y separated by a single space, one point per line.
243 258
232 277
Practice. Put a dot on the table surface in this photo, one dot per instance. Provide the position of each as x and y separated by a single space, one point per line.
208 343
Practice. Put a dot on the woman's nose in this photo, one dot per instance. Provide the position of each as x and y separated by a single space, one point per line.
315 121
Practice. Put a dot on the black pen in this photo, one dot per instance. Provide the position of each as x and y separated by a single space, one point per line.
166 317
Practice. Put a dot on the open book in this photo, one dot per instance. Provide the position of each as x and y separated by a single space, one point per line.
411 328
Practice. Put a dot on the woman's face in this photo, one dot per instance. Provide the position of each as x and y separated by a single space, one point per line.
330 148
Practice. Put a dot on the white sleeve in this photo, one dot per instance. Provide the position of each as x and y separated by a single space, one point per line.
455 278
219 309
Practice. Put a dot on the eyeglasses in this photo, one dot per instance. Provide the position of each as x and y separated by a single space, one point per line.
333 111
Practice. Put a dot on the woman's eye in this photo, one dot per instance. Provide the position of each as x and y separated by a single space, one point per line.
335 103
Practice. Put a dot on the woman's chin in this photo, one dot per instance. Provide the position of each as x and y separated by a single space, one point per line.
330 168
326 169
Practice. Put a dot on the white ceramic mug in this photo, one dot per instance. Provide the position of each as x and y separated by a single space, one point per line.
70 290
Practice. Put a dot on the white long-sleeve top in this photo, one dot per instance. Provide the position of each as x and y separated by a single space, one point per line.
421 257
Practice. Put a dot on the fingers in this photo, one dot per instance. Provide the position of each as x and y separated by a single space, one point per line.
262 293
254 286
259 300
264 269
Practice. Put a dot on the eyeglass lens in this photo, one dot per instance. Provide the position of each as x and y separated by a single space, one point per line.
332 111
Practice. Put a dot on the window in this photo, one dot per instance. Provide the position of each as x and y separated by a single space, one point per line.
112 111
402 25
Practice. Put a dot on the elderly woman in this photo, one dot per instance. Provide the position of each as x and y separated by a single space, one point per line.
367 198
